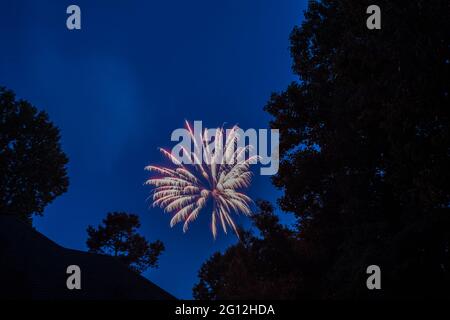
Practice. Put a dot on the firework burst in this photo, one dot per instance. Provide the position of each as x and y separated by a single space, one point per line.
186 189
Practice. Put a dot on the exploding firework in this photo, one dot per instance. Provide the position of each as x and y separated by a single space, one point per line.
186 189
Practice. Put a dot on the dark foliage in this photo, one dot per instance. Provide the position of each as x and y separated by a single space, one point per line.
256 267
118 237
364 153
32 164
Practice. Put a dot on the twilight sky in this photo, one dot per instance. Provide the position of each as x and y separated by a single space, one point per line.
118 87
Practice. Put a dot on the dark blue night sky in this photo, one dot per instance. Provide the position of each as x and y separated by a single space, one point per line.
118 87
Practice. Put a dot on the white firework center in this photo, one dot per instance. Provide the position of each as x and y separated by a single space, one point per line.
223 170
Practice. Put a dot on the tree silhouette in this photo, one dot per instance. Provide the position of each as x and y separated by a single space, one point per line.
365 146
260 266
32 164
364 155
118 237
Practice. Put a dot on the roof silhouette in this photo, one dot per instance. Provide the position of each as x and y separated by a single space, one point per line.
34 267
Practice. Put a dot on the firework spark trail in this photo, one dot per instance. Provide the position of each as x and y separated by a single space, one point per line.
185 192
